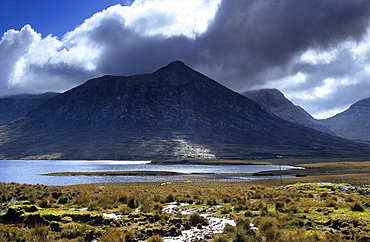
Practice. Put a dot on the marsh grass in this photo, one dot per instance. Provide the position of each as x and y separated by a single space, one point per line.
155 238
298 212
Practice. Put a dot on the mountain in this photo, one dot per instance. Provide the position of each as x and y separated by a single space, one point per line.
279 105
353 123
173 113
13 107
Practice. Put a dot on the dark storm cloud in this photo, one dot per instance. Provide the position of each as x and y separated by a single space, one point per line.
246 44
127 53
144 55
252 36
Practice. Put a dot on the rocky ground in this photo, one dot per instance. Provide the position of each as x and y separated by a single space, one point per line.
186 211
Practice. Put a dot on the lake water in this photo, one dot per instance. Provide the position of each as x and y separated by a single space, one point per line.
29 172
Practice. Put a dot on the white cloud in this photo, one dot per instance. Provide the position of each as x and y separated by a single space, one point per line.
30 63
286 83
327 88
329 113
13 46
40 64
361 50
319 57
170 18
327 81
319 64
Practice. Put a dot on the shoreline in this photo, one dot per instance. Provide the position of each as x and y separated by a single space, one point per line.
317 203
345 170
115 173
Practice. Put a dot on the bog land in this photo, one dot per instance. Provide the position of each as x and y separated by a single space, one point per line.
326 201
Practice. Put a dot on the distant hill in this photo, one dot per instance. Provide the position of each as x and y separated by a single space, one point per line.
13 107
173 113
279 105
353 123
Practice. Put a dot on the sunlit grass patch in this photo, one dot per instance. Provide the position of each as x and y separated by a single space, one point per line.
299 212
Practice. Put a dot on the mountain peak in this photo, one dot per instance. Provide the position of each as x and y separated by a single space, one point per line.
279 105
174 113
270 98
176 63
362 103
177 66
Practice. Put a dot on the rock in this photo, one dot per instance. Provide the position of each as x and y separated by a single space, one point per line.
83 218
175 221
97 221
366 204
62 200
54 226
35 219
13 215
52 217
56 195
29 208
173 231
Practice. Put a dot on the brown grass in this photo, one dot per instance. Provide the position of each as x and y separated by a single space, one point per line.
302 211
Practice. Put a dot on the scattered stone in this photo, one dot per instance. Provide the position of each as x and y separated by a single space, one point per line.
12 216
35 219
198 230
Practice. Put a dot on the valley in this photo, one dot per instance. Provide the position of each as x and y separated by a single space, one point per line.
172 113
177 115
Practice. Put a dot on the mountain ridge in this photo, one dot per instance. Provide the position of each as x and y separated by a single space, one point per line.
172 113
353 123
279 105
15 106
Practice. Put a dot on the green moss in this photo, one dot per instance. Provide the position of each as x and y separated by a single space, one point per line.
235 201
61 212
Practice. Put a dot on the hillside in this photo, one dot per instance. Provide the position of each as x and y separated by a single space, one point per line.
279 105
173 113
13 107
353 123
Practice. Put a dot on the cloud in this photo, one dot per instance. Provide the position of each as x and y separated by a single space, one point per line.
316 52
254 37
334 79
32 64
170 18
14 45
315 49
121 40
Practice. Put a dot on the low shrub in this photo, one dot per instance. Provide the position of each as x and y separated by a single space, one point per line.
40 231
356 207
113 235
221 238
279 206
196 219
170 198
266 223
331 203
133 203
155 238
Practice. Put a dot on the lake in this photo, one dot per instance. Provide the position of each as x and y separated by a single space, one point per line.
30 171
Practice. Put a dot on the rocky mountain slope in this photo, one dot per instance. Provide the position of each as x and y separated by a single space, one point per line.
279 105
353 123
13 107
172 113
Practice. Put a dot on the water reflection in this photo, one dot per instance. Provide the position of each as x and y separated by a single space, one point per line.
30 171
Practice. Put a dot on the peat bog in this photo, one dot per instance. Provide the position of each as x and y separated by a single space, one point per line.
331 203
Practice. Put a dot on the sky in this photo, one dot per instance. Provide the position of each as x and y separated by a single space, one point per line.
317 52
